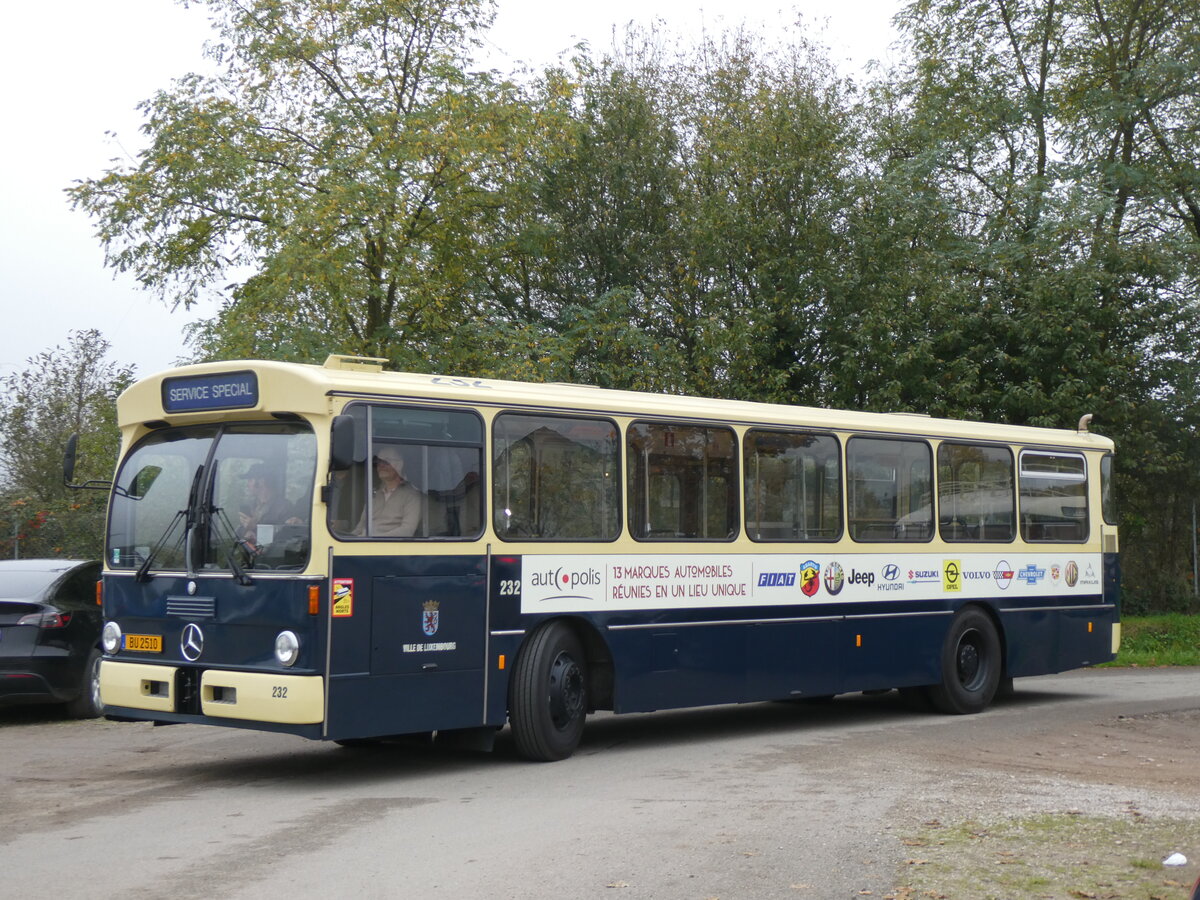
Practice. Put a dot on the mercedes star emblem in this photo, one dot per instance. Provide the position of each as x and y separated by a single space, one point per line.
191 642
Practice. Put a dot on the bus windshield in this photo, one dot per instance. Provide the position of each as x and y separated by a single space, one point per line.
215 498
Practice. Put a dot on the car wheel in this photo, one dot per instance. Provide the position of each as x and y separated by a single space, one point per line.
87 705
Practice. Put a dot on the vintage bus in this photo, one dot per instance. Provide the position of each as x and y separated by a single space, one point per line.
349 554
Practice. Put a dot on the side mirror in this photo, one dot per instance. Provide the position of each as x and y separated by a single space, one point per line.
341 443
69 459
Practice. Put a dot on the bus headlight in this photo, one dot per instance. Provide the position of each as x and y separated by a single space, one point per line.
110 637
287 648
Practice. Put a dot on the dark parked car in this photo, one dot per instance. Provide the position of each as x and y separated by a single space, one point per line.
50 634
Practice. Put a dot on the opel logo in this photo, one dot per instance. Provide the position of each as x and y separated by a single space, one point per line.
191 642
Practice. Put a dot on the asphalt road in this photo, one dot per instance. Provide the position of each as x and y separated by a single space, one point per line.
755 801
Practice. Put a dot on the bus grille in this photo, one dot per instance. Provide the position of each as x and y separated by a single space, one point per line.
192 607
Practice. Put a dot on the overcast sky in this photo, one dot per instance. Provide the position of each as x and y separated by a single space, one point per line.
77 69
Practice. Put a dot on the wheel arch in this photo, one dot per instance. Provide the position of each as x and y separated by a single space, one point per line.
597 655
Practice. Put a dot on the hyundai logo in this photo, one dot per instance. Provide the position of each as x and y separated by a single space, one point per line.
191 642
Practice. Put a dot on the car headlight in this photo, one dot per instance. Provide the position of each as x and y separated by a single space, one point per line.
287 648
110 637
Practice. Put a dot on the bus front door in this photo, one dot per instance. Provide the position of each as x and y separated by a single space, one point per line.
407 647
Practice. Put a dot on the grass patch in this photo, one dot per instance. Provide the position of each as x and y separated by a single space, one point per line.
1169 640
1050 856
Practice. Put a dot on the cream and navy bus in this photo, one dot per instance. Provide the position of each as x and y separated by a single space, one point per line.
349 554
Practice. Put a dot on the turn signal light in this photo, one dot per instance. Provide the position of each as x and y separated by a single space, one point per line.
314 599
99 593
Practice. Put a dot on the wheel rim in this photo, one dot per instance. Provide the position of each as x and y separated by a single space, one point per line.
566 691
94 685
972 662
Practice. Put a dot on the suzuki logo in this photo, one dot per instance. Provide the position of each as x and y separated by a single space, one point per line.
191 642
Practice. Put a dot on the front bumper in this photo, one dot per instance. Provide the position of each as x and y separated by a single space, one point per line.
248 696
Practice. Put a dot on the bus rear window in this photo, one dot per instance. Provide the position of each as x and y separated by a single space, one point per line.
1108 497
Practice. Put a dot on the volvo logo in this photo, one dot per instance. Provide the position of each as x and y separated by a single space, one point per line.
191 642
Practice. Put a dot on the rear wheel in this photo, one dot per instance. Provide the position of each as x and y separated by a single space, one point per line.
87 705
548 694
971 665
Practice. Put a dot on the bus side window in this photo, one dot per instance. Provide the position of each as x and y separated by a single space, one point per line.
793 486
555 478
1053 489
437 455
975 493
890 489
682 482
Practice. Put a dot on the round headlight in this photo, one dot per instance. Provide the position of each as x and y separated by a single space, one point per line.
110 637
287 648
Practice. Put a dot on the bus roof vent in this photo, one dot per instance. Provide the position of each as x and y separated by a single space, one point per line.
354 363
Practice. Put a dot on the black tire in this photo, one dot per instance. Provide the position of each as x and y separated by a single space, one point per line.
547 701
971 665
87 705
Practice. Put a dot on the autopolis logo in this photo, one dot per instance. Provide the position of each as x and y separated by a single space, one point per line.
1031 574
191 642
835 578
566 579
430 617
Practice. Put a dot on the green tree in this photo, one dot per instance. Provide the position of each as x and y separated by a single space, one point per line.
64 391
1055 137
332 172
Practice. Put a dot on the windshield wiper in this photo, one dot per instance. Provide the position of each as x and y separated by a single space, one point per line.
143 572
230 533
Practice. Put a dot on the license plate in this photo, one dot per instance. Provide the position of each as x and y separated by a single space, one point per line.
144 643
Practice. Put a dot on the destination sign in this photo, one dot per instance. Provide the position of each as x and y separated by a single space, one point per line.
198 393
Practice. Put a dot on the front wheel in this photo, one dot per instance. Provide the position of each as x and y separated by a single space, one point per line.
548 694
971 665
87 705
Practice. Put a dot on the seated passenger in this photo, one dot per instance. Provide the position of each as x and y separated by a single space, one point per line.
395 504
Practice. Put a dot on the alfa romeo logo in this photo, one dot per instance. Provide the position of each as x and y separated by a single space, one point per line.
191 642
